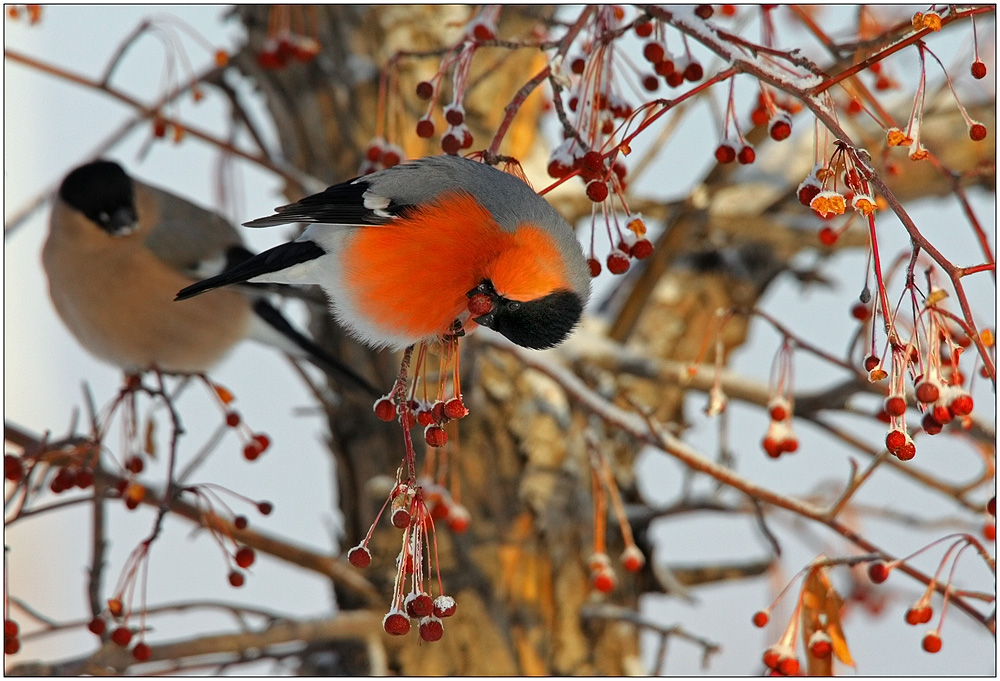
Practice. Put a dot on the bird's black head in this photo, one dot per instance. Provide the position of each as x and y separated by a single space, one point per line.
103 192
537 324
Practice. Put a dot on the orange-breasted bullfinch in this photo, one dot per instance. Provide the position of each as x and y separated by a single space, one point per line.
116 253
426 248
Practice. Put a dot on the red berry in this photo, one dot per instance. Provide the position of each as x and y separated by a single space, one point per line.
666 69
788 666
97 626
759 116
595 266
425 128
400 518
674 78
746 155
853 107
772 447
480 304
927 392
592 161
704 11
642 249
11 646
578 65
807 193
232 419
694 72
617 262
265 507
481 32
878 572
932 642
134 464
653 52
122 636
431 629
780 130
454 409
895 441
236 578
895 405
360 557
391 158
603 581
450 144
977 132
644 29
159 126
820 645
251 451
942 414
861 312
10 629
913 616
828 236
930 425
245 556
991 506
385 409
632 559
771 658
84 478
961 405
725 153
444 606
142 651
557 169
425 89
761 618
651 83
418 604
454 116
459 519
13 469
871 361
424 418
978 70
597 190
435 436
395 623
263 441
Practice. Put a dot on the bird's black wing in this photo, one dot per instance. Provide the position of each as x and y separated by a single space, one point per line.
341 204
272 260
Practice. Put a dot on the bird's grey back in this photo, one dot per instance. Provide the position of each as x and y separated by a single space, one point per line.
187 234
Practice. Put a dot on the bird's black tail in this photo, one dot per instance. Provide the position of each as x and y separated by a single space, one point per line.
272 260
317 355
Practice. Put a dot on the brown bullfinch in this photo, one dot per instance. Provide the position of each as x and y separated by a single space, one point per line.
402 252
116 253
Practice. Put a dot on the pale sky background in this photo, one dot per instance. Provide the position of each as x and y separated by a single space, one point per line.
50 126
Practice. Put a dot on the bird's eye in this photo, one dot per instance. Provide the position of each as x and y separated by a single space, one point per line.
513 305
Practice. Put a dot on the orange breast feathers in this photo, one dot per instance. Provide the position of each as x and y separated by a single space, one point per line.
410 276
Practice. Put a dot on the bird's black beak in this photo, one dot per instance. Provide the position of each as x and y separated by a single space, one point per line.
122 221
483 303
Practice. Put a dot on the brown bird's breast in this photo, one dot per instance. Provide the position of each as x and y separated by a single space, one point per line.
116 297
